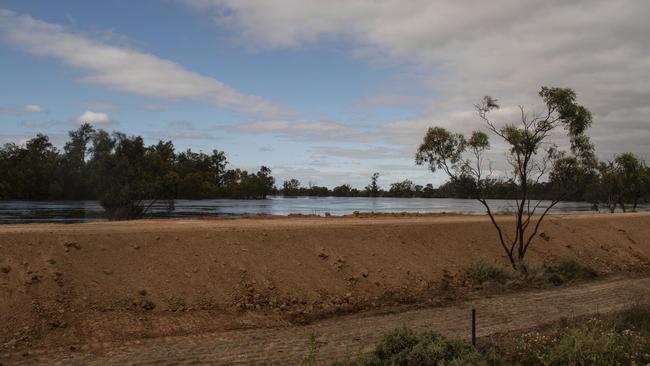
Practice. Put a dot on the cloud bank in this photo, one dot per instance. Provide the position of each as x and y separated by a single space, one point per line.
22 110
125 69
507 48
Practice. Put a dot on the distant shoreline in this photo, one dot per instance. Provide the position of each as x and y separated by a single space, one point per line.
87 211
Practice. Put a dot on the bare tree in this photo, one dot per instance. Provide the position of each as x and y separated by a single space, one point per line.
531 155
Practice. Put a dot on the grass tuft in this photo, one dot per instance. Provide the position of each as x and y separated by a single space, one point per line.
482 271
403 346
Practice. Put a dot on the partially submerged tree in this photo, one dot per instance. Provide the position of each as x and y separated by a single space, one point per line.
291 187
531 156
634 179
372 189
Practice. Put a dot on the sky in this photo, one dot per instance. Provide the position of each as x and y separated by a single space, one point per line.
327 92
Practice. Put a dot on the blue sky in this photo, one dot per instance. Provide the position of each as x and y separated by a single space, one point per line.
326 92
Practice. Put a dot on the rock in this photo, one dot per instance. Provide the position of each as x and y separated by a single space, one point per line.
147 305
108 272
143 292
34 280
363 272
51 261
5 269
322 255
71 245
58 324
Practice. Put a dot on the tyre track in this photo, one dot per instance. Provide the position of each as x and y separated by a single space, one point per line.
348 336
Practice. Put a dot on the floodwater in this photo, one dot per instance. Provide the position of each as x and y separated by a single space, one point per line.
86 211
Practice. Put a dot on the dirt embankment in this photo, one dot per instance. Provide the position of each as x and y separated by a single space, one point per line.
62 284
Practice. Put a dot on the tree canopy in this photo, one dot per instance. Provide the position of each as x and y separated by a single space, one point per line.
531 156
120 171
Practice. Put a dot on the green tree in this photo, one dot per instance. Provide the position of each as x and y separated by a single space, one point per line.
633 177
372 189
266 182
405 188
531 155
74 172
291 187
344 190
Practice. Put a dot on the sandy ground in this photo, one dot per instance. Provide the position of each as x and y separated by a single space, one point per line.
347 336
62 285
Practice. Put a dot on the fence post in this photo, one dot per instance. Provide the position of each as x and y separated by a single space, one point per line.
473 327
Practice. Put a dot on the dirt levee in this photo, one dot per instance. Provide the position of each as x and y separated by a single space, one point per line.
105 281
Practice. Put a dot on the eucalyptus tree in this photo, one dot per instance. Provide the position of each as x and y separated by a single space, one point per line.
372 189
531 156
634 179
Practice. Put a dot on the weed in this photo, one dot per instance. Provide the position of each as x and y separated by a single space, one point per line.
403 346
568 270
565 271
313 348
482 271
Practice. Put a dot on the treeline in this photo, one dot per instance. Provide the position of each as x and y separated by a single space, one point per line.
623 183
128 177
496 189
120 171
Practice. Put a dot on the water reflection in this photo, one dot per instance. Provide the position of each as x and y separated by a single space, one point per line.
86 211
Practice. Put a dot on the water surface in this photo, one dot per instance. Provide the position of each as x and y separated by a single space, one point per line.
85 211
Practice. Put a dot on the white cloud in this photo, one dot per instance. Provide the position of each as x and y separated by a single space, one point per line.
467 49
94 118
126 69
24 109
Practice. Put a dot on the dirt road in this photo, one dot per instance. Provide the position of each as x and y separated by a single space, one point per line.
347 336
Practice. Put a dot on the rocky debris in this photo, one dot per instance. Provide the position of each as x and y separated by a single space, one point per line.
108 272
135 247
56 323
143 292
5 269
363 272
322 255
71 245
544 236
57 277
51 261
144 304
340 262
33 280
